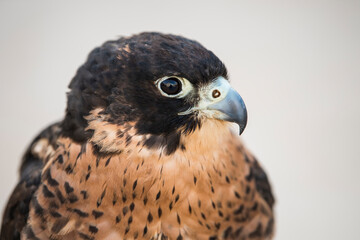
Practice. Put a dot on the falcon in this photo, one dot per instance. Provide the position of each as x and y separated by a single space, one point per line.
146 150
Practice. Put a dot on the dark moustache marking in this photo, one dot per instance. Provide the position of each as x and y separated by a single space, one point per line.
122 82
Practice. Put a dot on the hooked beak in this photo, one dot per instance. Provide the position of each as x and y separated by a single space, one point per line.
220 101
233 109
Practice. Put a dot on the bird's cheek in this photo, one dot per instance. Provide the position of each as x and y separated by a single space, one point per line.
219 100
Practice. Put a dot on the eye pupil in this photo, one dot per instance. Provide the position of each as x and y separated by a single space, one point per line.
171 86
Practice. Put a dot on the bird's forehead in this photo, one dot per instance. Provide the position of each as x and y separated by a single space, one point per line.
157 55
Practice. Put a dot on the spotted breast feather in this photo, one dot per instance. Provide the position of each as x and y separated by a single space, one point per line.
146 151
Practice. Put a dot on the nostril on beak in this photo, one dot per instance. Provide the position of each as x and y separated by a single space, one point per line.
216 93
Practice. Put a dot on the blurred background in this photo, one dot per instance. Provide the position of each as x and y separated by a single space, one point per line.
295 63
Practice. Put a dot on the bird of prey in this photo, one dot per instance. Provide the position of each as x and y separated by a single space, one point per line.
145 151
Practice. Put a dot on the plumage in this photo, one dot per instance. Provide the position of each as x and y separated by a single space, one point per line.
130 161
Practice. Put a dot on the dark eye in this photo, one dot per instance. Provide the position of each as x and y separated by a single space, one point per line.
171 86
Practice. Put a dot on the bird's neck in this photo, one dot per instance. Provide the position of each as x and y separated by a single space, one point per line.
111 138
116 157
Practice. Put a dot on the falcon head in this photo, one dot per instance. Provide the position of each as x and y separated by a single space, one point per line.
156 85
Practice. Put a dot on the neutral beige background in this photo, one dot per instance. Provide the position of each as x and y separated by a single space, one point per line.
296 64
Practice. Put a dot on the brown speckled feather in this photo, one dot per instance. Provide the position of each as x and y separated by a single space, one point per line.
134 160
206 190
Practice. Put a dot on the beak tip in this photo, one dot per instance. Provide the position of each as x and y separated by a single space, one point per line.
242 119
241 128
